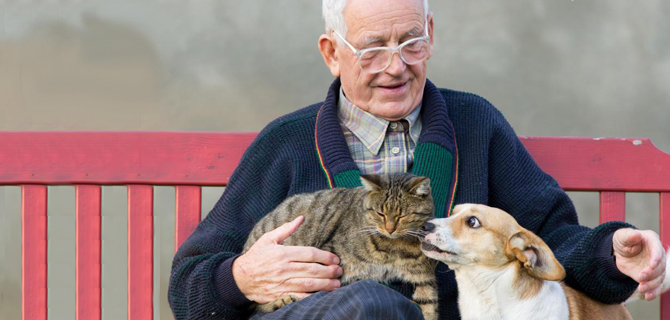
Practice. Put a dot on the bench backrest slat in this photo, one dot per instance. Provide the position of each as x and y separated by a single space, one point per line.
602 164
140 252
88 252
117 158
612 206
34 252
664 227
188 203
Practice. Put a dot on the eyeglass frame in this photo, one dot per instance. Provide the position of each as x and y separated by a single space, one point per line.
397 49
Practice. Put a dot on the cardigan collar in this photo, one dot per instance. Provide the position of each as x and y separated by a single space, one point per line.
435 155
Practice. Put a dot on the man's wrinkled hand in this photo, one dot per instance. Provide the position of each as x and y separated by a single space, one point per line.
269 269
640 255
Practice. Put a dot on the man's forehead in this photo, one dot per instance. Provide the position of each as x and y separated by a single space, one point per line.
362 13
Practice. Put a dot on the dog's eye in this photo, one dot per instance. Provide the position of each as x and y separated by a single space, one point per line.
474 223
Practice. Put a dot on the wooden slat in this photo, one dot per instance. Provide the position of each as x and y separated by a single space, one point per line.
604 164
612 206
664 222
187 211
88 252
140 252
156 158
203 158
33 252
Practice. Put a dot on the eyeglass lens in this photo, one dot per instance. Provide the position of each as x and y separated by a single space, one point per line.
376 60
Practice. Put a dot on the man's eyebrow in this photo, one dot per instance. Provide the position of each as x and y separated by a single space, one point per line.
371 40
415 32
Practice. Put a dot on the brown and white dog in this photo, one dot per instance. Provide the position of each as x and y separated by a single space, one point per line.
504 271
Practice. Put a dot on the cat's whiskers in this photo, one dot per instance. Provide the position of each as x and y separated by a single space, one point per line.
369 231
416 233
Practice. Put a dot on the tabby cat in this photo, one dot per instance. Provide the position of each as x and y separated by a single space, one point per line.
373 229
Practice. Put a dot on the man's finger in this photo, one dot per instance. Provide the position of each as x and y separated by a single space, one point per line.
311 284
656 268
313 270
277 236
311 254
652 285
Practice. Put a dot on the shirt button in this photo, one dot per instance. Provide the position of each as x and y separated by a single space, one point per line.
395 150
394 125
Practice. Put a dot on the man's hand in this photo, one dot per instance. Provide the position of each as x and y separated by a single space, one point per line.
269 269
640 255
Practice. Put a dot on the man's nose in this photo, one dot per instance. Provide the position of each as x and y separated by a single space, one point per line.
397 66
427 227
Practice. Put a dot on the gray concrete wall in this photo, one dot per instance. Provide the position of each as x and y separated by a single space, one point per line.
576 68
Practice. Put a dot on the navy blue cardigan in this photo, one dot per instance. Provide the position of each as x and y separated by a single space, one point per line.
467 148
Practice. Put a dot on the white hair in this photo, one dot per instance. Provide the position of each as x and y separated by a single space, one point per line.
333 15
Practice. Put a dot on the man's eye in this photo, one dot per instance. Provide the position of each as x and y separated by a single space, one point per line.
369 55
473 223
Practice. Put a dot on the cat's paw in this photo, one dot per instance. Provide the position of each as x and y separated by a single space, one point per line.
280 302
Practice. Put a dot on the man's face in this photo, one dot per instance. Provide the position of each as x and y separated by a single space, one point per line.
395 92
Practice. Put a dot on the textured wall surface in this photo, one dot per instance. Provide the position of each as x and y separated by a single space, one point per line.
573 68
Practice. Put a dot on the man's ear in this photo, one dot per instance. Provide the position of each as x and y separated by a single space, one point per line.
430 33
328 49
535 256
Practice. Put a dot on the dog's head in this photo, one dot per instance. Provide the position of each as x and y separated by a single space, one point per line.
481 236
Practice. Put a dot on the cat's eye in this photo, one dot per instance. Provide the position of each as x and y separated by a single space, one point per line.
473 223
380 214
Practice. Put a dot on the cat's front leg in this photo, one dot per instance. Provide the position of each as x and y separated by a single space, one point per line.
421 273
280 302
425 295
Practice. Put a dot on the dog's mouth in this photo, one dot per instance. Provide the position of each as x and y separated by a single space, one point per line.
429 247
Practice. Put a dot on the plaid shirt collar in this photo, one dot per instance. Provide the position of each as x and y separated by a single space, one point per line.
370 129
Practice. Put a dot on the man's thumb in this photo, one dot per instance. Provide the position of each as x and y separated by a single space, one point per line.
628 241
277 236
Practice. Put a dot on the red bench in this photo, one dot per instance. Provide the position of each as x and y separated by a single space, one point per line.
189 160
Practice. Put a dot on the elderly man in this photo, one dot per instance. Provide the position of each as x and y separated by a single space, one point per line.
381 115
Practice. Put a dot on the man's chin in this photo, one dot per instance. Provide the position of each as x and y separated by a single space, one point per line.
393 111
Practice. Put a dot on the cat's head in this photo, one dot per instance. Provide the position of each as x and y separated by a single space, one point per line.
397 204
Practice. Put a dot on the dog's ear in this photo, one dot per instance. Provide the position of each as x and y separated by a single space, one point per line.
535 256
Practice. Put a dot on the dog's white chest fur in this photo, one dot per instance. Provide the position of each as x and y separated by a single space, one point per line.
494 295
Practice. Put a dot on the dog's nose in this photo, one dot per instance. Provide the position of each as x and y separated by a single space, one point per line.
427 227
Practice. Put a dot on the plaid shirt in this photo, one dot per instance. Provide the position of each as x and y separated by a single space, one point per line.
378 145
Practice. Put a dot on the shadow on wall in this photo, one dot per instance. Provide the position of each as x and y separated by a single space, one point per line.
110 76
106 76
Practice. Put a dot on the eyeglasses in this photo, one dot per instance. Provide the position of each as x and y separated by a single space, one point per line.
377 59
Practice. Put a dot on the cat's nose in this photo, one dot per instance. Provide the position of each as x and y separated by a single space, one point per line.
390 227
427 227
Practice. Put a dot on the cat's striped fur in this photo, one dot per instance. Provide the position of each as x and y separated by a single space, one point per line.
373 229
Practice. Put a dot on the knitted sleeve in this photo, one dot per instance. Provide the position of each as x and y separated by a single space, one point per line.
517 185
203 262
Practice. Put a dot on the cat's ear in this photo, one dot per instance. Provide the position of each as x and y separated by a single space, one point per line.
371 182
420 186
